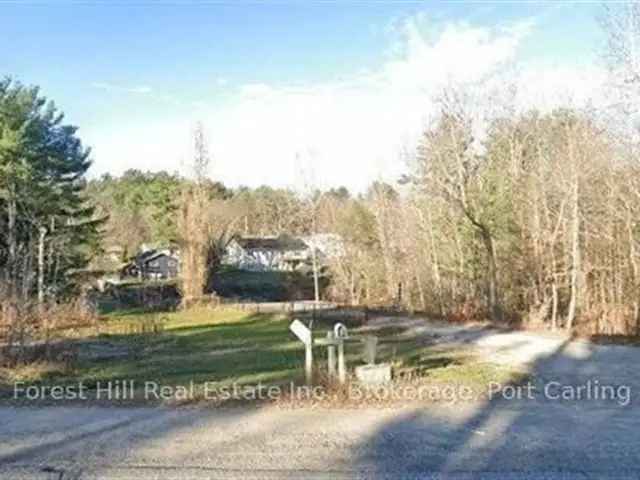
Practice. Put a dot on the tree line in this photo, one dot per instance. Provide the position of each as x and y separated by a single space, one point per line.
49 230
533 221
522 216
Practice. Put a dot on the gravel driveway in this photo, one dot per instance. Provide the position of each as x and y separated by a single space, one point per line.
499 439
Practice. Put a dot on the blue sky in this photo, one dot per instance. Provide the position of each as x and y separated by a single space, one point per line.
131 72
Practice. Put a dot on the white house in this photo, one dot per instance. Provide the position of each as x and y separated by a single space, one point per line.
284 253
266 253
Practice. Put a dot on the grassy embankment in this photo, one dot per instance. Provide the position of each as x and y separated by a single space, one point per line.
233 347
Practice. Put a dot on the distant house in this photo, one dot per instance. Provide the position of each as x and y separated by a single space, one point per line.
154 264
283 253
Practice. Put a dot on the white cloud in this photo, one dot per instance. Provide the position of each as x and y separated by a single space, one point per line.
547 85
461 52
350 131
109 87
144 91
256 90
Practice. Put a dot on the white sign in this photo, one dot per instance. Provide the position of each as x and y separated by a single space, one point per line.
301 331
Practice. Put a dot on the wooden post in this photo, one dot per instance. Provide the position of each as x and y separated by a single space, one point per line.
342 370
331 355
370 347
305 335
308 362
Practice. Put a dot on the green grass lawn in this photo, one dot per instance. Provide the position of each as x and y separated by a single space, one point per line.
197 346
229 347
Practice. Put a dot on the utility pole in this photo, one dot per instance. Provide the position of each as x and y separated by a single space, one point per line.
314 250
316 283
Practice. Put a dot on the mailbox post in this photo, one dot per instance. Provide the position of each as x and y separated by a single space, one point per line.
331 354
305 335
342 368
340 332
308 361
335 341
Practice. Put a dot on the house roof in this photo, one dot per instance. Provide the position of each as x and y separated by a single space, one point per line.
281 243
152 254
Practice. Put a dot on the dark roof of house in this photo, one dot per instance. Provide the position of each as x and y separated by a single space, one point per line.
283 242
149 255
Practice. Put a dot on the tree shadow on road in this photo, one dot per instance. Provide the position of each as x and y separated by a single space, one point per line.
539 435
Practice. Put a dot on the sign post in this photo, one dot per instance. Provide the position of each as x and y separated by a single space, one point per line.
331 355
340 333
305 335
334 342
342 368
308 363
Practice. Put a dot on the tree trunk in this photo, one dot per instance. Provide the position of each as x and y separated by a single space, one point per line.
42 234
575 258
494 307
11 243
435 263
554 306
634 271
421 295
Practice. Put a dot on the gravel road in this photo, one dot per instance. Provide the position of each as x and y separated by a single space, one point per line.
525 438
498 441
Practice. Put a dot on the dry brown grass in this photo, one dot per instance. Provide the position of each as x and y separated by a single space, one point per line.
609 320
30 334
34 372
